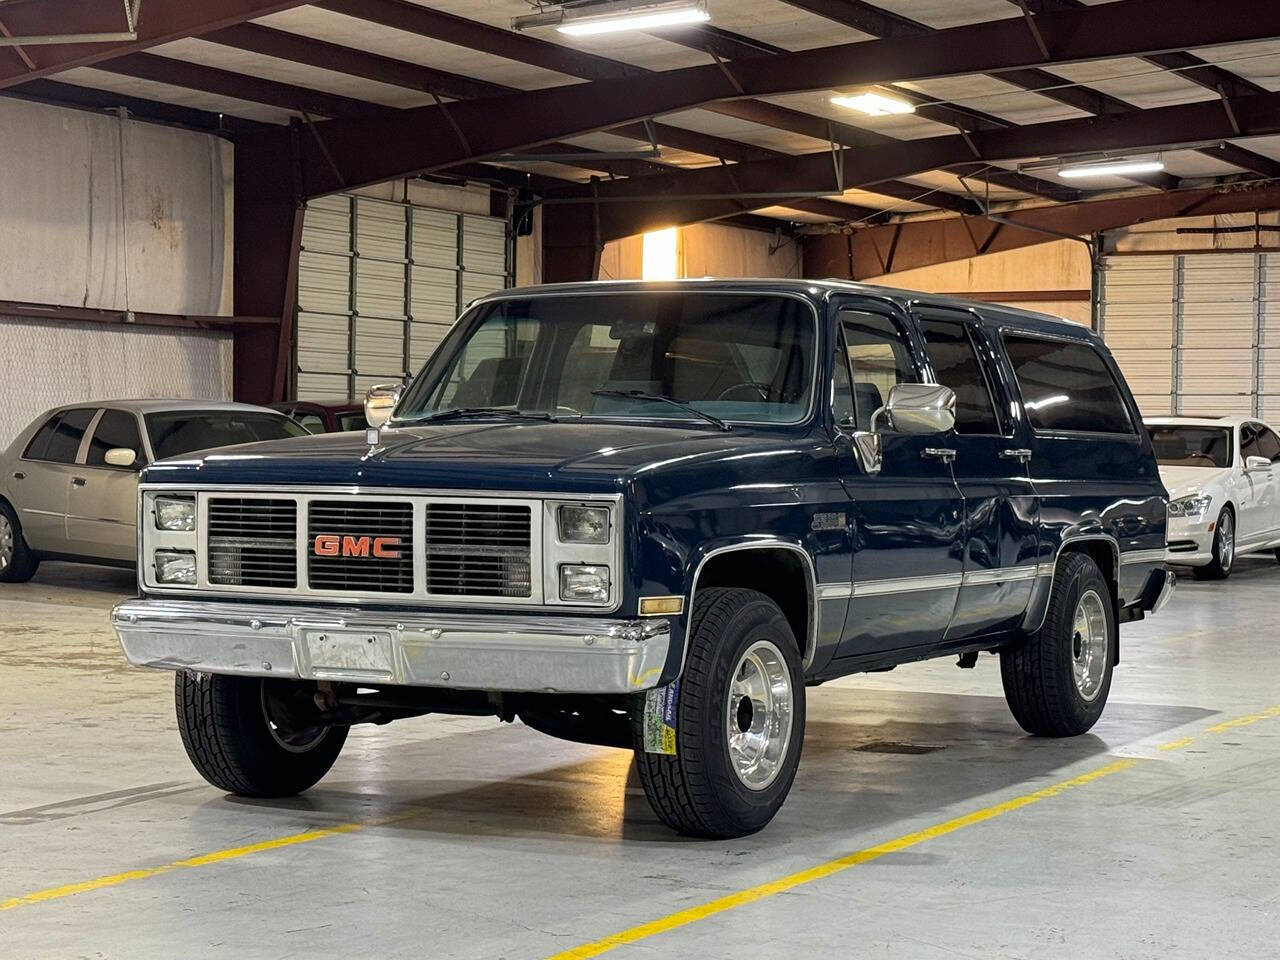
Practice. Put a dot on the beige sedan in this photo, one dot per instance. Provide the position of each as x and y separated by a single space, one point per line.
69 482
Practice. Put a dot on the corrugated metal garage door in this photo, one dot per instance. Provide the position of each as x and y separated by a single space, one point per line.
1194 333
379 284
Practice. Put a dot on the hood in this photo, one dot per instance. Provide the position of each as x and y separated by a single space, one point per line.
529 455
1184 481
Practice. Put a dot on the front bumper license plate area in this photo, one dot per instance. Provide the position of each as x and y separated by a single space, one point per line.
345 654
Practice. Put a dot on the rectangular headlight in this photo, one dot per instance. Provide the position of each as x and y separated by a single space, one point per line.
582 524
1191 507
175 513
175 566
584 583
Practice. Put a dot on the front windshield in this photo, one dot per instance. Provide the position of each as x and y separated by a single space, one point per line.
178 432
733 356
1183 446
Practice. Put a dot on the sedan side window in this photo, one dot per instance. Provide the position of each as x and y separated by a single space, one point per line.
116 429
1250 441
58 441
879 358
1269 444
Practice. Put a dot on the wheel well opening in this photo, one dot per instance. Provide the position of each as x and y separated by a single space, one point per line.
1103 555
779 574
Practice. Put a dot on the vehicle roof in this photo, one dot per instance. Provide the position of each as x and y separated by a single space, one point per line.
994 314
1232 421
163 405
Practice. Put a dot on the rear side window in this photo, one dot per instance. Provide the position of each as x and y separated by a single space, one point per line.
956 365
58 441
116 429
1066 386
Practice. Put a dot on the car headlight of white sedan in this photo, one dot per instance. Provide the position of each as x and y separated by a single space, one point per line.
1191 508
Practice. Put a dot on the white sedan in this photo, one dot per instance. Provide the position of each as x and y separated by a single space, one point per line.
1223 478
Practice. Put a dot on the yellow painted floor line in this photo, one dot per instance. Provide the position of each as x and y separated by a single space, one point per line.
657 926
773 887
693 914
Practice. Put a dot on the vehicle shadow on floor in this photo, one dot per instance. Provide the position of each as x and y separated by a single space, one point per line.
872 759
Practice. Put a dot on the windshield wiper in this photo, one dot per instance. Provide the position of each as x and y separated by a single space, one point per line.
479 411
663 398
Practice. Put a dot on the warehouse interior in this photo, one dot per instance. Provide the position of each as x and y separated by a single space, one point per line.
268 201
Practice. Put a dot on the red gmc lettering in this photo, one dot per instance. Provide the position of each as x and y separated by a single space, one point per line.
332 545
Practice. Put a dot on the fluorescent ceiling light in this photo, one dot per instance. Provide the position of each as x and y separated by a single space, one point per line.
1110 168
874 104
597 18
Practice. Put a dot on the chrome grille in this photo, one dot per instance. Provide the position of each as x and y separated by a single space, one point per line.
478 550
362 528
252 542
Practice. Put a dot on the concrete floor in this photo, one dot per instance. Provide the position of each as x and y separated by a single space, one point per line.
481 840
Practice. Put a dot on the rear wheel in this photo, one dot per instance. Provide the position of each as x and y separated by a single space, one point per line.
17 565
739 726
254 737
1224 549
1057 681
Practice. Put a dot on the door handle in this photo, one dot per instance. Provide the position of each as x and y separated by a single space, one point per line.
77 481
19 475
1021 454
945 454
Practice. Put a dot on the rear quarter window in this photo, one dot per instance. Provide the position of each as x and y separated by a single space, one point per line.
1066 386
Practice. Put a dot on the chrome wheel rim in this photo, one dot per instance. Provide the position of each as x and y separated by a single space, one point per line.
1089 645
1226 541
292 739
6 543
758 715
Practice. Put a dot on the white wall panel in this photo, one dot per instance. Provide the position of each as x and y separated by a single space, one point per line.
113 215
48 363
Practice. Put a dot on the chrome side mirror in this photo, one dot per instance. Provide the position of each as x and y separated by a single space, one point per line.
120 457
1255 464
380 402
918 408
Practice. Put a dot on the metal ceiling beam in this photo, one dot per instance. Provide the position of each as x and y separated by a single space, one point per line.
1198 71
881 23
427 138
196 76
923 243
436 24
160 22
628 207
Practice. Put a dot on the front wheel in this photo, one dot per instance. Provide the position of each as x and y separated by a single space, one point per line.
254 737
17 565
739 720
1224 549
1057 681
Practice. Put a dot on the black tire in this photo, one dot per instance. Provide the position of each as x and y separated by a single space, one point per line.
224 726
697 792
1219 568
17 564
1040 684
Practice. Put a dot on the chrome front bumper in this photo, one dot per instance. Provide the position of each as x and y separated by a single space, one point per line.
555 654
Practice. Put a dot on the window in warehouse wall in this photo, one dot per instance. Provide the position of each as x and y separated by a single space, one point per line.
380 283
660 257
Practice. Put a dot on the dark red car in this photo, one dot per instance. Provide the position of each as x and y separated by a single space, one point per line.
324 417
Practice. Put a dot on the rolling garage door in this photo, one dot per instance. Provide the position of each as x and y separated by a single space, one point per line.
1196 334
379 284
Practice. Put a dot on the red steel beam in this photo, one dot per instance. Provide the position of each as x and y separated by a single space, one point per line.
633 206
159 22
427 138
922 243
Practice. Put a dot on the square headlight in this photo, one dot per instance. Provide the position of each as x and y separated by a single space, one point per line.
175 566
584 583
175 513
579 524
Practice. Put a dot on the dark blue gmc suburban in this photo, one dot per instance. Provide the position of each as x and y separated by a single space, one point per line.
651 516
